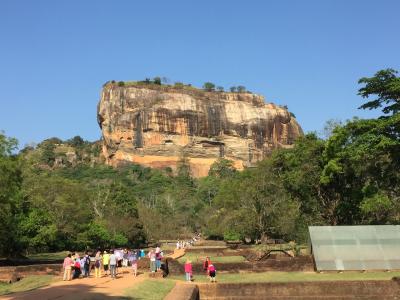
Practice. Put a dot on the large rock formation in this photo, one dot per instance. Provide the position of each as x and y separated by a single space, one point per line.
156 125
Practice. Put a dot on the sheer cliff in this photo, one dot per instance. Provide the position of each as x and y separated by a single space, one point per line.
155 126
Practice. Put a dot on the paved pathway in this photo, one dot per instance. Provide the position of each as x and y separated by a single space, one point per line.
86 288
82 289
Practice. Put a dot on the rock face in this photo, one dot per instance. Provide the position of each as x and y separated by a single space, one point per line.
156 126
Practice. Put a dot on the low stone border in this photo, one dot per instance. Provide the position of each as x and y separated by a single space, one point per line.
184 291
12 274
285 264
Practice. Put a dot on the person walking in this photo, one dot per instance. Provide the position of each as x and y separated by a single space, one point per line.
142 253
86 265
158 258
133 260
97 264
67 265
152 256
82 263
125 258
106 260
206 263
188 270
113 265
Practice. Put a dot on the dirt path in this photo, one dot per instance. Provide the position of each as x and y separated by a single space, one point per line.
82 289
177 253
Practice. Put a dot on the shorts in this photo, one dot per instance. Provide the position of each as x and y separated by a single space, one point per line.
212 273
106 268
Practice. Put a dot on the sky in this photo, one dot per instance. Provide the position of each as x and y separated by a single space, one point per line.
308 55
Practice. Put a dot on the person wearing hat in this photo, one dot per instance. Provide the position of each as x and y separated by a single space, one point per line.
188 270
106 261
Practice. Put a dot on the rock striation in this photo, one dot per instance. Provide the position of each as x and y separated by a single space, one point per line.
156 125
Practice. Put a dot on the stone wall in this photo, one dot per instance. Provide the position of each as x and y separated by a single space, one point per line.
184 291
284 264
332 290
12 274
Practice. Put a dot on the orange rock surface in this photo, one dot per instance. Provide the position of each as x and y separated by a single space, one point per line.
157 125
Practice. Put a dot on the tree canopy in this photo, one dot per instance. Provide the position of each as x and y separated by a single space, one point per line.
350 177
385 85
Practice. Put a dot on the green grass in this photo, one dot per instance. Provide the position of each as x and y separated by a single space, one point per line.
151 289
199 258
292 276
26 284
53 255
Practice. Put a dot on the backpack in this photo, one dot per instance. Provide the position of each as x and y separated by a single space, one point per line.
87 261
97 264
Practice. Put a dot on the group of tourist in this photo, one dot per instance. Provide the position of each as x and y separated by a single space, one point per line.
74 266
155 256
108 262
182 244
208 267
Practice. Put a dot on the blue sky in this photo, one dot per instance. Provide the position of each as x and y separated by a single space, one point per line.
309 55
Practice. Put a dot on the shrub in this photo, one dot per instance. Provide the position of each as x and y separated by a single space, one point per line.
121 83
231 235
179 85
209 86
157 80
241 89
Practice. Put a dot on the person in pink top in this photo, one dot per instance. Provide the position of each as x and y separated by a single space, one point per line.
212 272
188 270
67 265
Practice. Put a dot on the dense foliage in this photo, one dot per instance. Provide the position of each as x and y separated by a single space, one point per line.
59 195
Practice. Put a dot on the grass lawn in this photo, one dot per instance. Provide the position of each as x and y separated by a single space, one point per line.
292 276
52 255
199 258
26 284
154 289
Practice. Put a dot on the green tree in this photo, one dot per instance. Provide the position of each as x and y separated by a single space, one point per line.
179 85
254 204
48 155
300 169
157 80
362 161
76 141
222 168
58 203
209 86
386 86
241 89
10 196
